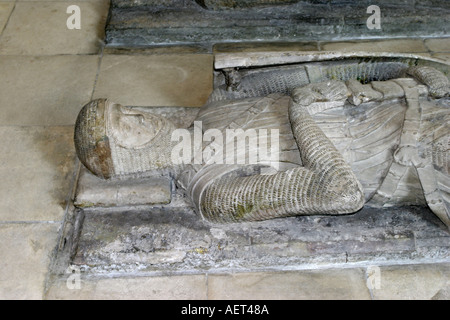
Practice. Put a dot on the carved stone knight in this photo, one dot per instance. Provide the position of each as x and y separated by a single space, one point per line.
377 137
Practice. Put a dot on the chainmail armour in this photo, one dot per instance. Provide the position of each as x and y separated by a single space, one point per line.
286 78
155 155
437 81
105 157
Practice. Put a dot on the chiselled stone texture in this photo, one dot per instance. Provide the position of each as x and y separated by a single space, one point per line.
96 192
176 241
233 4
202 23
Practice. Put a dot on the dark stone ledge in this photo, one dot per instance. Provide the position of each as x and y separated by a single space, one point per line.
153 23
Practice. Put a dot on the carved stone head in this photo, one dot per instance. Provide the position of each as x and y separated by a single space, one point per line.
113 140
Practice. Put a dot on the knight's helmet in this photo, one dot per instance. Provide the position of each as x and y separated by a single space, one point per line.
91 140
101 145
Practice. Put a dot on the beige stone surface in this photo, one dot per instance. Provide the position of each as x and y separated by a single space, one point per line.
40 28
25 251
396 282
438 44
396 45
5 10
36 166
264 46
156 80
443 56
157 50
47 90
184 287
318 284
443 294
418 282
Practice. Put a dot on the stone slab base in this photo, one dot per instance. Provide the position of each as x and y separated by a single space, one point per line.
167 241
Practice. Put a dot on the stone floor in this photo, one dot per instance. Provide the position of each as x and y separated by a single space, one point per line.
47 73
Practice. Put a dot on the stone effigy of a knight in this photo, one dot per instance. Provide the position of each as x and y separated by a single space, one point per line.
353 132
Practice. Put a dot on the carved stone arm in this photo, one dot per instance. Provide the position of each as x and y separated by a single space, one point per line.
325 185
437 82
318 97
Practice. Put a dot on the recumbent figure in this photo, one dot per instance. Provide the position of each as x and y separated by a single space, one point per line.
343 143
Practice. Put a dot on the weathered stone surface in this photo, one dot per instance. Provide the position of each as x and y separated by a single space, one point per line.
185 287
45 32
318 284
41 104
406 282
181 117
442 294
177 241
95 192
264 46
389 89
156 80
438 45
232 4
157 3
5 11
25 251
36 166
388 45
254 59
362 92
163 23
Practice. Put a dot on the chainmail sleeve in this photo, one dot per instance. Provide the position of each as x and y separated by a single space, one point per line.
437 83
324 185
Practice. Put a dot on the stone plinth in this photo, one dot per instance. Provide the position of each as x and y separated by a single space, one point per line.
176 241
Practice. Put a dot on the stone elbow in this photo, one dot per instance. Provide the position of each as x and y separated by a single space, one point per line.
345 196
352 199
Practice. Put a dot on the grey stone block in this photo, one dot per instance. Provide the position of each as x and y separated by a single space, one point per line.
176 240
389 89
95 192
